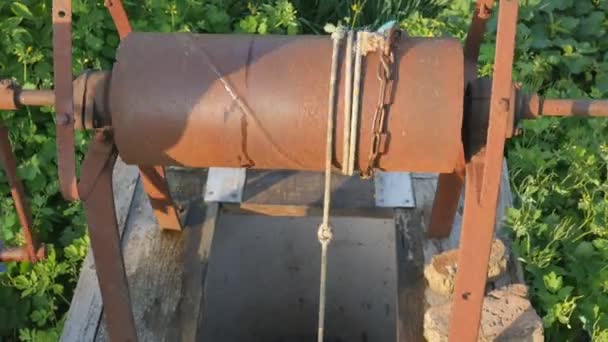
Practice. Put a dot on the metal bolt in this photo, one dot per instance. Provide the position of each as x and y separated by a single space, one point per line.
504 105
63 120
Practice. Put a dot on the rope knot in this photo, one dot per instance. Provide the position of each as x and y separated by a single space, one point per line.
325 233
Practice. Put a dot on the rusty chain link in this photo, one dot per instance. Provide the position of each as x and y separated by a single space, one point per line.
380 136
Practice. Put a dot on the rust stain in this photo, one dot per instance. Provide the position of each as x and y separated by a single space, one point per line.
244 159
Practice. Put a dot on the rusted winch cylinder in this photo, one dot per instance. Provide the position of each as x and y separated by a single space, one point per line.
201 100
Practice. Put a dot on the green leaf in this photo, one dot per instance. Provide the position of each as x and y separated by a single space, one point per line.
553 282
584 250
592 24
601 82
21 10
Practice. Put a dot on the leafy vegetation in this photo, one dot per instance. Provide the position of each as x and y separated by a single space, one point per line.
558 167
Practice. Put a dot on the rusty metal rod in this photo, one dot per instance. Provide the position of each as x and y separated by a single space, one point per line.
534 106
35 98
13 97
571 107
20 254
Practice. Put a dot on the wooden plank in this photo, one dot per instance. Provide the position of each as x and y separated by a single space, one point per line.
85 311
409 240
154 261
193 284
410 279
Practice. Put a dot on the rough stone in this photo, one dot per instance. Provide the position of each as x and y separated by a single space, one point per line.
507 316
440 273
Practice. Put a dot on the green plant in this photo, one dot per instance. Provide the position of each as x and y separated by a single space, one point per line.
558 167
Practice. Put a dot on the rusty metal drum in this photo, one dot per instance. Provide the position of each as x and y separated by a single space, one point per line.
201 100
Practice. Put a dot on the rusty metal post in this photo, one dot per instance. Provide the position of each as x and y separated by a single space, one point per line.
475 35
98 199
445 203
64 107
483 173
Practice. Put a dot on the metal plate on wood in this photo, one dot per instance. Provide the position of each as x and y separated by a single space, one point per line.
225 184
394 189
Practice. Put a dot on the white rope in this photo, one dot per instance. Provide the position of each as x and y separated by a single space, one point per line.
348 98
354 120
325 233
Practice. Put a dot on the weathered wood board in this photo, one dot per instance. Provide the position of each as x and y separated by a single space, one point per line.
166 269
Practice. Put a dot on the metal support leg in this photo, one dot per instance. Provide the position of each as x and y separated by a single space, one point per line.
155 184
474 252
445 204
105 242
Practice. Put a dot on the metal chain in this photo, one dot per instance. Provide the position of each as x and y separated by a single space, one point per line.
385 74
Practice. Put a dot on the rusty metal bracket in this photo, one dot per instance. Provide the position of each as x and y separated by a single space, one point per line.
445 203
168 215
64 107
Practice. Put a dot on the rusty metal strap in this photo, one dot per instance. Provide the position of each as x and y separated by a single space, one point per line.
100 150
62 60
119 16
